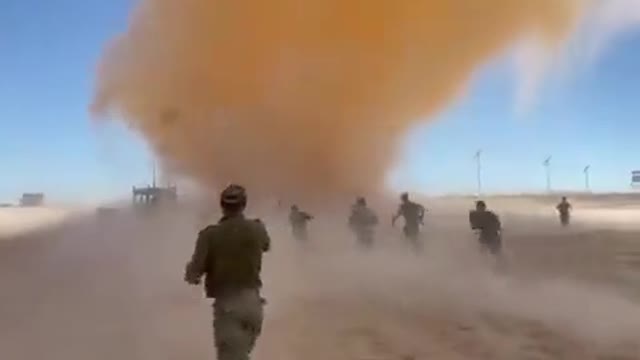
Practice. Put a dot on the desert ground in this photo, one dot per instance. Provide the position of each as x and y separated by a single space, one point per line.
111 287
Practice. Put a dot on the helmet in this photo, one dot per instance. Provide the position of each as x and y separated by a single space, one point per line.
233 195
481 205
294 207
361 201
404 196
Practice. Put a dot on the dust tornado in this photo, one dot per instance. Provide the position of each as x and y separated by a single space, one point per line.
304 98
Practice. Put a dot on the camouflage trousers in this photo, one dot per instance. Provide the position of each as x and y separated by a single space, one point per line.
300 233
365 237
237 323
412 234
491 243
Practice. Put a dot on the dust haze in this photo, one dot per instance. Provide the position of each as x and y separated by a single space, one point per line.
303 98
112 288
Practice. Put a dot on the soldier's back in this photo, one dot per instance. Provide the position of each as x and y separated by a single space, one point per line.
490 222
235 259
411 211
564 207
362 217
299 218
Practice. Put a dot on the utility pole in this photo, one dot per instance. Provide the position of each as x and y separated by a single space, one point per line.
587 186
547 167
478 159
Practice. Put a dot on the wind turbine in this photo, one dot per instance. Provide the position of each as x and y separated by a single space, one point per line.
547 165
478 159
587 186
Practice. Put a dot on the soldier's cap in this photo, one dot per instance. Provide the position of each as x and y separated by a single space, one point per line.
233 195
481 203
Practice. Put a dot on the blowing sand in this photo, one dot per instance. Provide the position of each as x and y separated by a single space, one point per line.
16 220
114 290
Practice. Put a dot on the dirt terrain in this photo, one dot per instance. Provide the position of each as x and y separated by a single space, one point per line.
112 288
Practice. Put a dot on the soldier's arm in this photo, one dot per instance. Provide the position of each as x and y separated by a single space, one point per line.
265 239
396 216
423 210
196 267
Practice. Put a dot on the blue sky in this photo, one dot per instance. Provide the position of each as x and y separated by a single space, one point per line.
48 53
590 118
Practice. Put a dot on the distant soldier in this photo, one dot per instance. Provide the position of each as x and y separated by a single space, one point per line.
413 214
230 253
564 210
298 220
363 221
489 226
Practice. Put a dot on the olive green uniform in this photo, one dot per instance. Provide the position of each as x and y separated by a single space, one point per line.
413 214
362 221
229 254
564 209
298 220
490 229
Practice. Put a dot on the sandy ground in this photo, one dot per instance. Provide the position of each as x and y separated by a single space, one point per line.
112 289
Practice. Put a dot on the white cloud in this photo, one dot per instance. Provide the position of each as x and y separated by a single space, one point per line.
603 22
532 61
608 19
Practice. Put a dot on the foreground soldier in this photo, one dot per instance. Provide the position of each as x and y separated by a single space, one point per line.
230 255
413 214
362 221
298 220
564 210
488 223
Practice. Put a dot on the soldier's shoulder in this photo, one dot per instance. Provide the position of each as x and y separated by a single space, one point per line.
208 230
256 222
209 227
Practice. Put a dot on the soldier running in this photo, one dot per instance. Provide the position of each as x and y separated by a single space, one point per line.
564 210
489 226
298 220
363 221
230 253
413 214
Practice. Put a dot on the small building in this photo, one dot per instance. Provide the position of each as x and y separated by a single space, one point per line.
32 199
